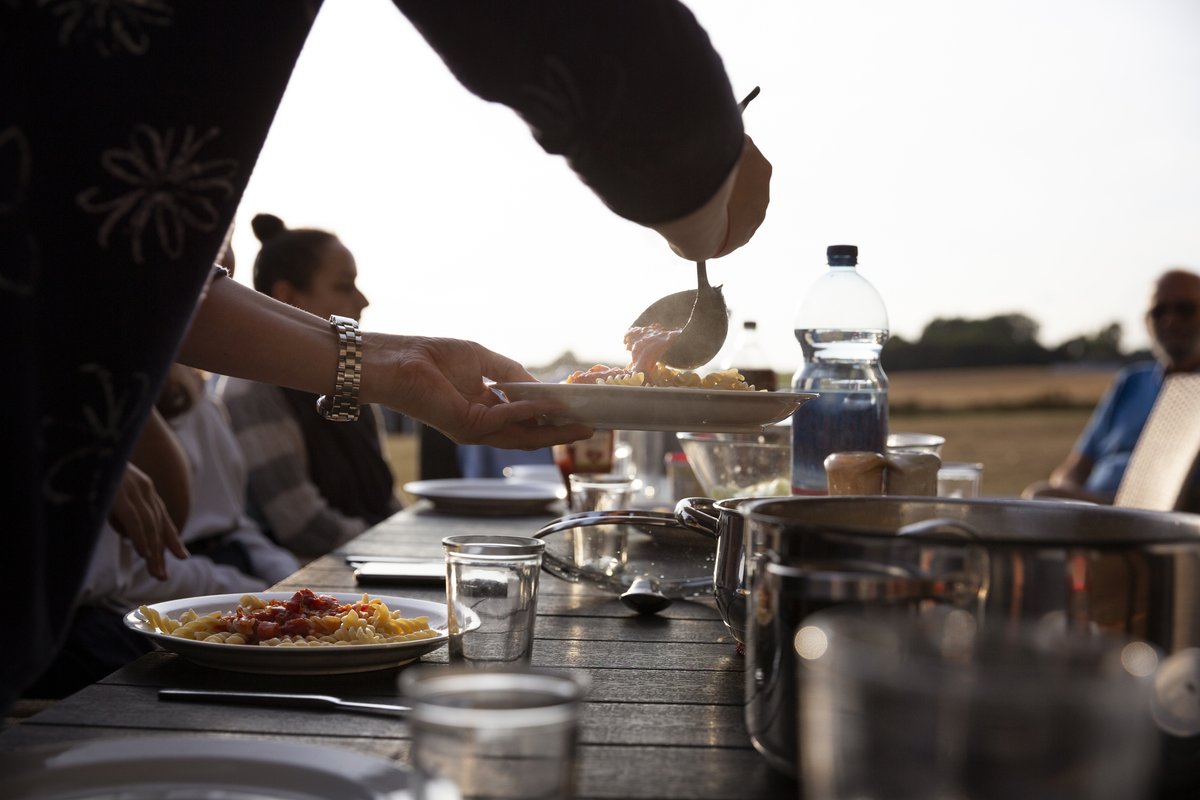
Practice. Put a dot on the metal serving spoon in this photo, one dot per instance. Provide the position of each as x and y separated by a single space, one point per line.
644 597
699 313
702 316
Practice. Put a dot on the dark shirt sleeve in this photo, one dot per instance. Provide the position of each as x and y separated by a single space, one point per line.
631 92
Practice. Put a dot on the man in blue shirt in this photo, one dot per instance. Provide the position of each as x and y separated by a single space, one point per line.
1094 468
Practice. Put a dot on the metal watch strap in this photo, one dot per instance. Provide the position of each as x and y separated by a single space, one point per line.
343 406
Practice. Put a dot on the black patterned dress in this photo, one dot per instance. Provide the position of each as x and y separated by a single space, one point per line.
128 132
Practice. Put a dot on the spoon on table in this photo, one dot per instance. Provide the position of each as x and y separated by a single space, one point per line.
644 596
699 314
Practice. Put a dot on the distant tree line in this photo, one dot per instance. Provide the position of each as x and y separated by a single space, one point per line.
1000 341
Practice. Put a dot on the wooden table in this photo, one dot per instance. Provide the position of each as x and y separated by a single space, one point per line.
663 718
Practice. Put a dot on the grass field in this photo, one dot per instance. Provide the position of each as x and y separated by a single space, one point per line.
1017 422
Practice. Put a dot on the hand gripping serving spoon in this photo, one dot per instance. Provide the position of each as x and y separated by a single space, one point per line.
699 314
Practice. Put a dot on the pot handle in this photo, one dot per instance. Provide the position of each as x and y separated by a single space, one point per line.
928 527
698 514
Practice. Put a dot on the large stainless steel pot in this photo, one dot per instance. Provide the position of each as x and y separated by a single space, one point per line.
724 521
1086 567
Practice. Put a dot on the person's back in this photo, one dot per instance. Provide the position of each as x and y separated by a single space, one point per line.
1095 466
313 484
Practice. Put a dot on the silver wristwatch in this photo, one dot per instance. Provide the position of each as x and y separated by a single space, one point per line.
343 406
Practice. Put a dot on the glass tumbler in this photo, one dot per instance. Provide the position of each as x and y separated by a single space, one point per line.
491 597
507 733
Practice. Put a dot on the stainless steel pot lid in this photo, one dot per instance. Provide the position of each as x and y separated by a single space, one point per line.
654 545
995 520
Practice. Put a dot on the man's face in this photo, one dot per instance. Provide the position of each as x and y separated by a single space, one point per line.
1173 320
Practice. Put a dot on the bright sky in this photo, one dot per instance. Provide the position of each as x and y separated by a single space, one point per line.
987 158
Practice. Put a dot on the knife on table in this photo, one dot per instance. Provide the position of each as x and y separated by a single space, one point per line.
319 702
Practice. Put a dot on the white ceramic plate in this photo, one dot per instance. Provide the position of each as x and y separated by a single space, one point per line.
645 408
488 496
194 768
294 660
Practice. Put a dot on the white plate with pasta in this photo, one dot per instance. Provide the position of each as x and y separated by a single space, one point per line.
193 767
651 408
338 633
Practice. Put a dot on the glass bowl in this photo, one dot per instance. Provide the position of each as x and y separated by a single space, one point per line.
741 464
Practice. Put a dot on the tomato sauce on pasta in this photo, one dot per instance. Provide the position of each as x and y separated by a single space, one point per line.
304 619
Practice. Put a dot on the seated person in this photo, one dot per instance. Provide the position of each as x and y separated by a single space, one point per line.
193 482
1094 468
218 526
314 484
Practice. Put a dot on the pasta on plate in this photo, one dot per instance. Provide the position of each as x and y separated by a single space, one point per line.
304 620
662 376
646 347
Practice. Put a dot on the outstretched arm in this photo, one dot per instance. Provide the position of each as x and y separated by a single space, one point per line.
630 92
1067 481
438 381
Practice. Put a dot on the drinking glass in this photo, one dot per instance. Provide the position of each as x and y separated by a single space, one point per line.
960 479
493 733
604 548
491 596
915 443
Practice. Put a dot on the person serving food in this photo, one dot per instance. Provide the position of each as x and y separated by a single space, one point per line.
115 206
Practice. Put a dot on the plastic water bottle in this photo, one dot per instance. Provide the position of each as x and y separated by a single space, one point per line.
841 326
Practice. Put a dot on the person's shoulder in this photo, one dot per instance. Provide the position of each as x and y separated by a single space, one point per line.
252 403
1138 371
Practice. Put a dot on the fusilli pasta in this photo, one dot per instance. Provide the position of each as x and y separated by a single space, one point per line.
305 620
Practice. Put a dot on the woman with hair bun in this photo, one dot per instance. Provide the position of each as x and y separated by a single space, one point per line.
313 484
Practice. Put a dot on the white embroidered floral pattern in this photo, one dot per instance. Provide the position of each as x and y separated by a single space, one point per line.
170 190
99 426
112 26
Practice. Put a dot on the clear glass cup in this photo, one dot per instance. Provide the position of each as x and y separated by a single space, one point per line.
935 707
493 733
596 491
960 479
603 548
915 443
491 596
